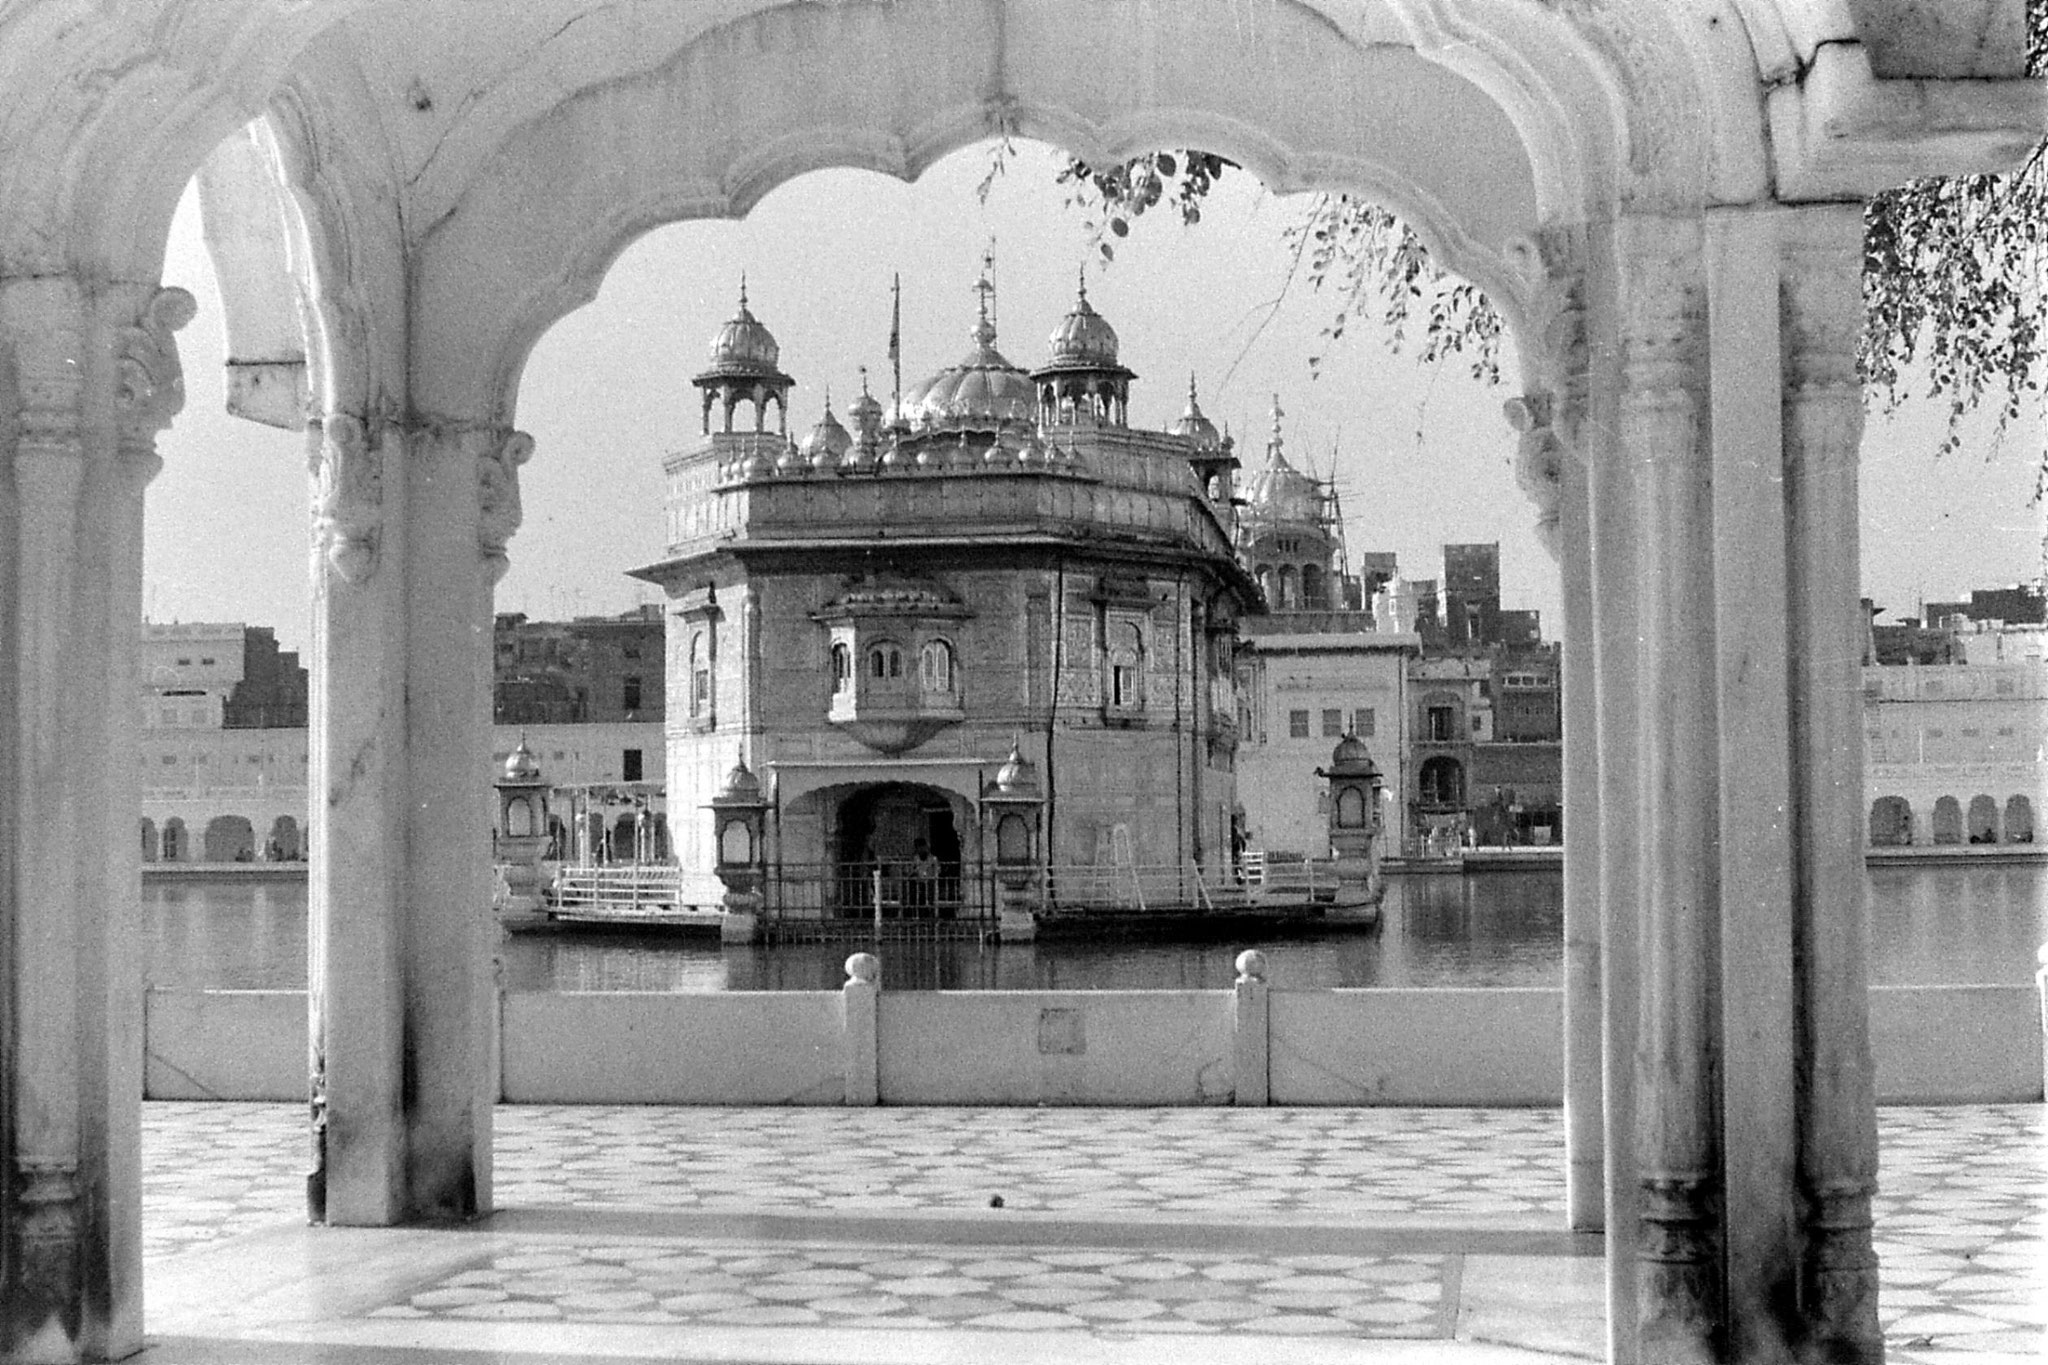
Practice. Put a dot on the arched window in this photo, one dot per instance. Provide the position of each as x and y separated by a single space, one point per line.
1126 668
700 676
174 840
1264 573
842 669
2019 821
1312 591
885 661
935 666
149 840
1290 588
1948 821
1983 820
1891 822
1350 808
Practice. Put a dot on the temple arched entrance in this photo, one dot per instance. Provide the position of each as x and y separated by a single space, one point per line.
899 842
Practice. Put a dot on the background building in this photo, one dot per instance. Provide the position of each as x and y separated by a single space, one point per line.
1314 664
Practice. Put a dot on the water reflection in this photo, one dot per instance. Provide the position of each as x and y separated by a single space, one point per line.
1928 925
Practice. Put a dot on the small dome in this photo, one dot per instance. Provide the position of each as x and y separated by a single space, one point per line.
743 346
740 784
1196 427
1084 337
1279 491
827 441
521 765
1351 757
1017 776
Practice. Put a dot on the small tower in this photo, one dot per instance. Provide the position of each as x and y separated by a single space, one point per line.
1356 790
744 368
1288 535
521 838
1082 380
1212 455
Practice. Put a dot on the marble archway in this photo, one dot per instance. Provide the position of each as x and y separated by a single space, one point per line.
1662 197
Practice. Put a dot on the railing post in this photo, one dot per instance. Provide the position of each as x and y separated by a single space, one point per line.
1252 1017
859 998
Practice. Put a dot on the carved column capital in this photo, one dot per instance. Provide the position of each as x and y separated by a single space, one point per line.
149 379
1663 321
347 469
499 512
1821 317
1539 461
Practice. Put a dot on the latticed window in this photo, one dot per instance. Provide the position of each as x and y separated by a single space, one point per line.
885 661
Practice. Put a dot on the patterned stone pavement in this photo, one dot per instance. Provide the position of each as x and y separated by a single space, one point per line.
1110 1222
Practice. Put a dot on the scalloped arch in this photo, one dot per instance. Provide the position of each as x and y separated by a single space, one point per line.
541 222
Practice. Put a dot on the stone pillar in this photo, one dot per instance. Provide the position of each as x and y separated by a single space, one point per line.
1678 1184
410 526
1754 865
1584 1138
88 376
1251 1007
1822 303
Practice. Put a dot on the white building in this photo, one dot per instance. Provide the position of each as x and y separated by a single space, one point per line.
1958 753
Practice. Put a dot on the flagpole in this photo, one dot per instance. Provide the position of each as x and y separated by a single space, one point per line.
896 348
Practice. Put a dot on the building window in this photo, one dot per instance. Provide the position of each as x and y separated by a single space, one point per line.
935 666
1362 721
1297 725
630 698
700 677
1440 724
885 661
1126 669
629 765
842 669
1333 723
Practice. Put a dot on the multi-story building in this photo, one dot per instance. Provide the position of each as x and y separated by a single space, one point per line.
223 745
1957 753
1314 664
873 618
592 670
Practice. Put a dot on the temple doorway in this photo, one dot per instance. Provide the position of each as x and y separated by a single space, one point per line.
898 842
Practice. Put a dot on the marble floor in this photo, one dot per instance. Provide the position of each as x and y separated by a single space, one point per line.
992 1235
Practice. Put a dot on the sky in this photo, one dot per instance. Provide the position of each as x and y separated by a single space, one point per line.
1420 456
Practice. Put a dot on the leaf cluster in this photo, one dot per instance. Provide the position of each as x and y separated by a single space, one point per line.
1368 260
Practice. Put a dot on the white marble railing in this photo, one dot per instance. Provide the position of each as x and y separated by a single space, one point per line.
1250 1045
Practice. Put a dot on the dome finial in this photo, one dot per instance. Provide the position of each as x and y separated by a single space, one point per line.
985 289
1083 272
1273 446
743 292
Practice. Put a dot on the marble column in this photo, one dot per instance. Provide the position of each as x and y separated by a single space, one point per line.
1822 303
1678 1187
1754 864
410 527
90 376
1584 1104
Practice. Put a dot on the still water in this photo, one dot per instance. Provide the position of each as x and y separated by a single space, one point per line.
1929 925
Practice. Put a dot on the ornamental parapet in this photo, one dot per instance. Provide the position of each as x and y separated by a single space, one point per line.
1153 501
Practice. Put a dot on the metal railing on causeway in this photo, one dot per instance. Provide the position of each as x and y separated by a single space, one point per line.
619 891
835 902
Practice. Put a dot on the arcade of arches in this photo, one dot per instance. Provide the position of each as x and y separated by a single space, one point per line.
1662 198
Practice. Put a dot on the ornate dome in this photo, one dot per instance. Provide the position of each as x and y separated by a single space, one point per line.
984 390
744 347
828 440
740 784
1279 491
1084 337
521 765
1351 758
1196 427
